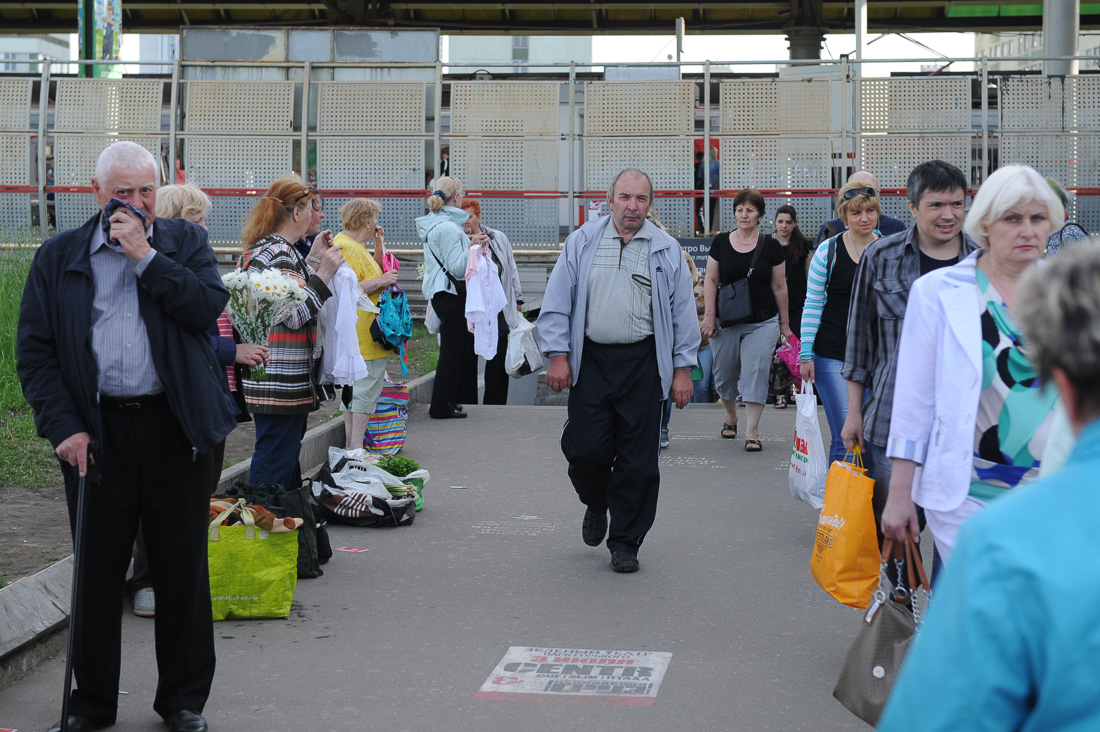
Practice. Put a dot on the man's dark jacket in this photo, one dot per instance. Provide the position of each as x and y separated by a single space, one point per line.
180 295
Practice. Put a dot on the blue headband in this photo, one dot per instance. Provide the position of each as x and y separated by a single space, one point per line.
441 194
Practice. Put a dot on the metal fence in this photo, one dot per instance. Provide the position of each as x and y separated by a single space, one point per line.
536 152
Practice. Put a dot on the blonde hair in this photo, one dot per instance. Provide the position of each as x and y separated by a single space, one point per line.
857 203
1006 187
448 187
276 206
358 211
696 278
181 201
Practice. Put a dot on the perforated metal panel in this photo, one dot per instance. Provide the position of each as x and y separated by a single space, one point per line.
675 215
1088 162
103 105
226 217
76 155
639 108
15 160
350 163
1086 102
771 163
893 157
505 108
914 105
225 107
502 164
1087 212
15 213
1036 103
15 104
370 109
74 209
528 223
771 106
898 207
227 162
668 162
1053 155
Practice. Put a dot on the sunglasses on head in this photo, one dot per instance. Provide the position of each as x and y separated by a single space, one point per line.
864 191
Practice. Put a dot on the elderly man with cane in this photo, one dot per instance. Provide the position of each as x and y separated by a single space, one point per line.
115 360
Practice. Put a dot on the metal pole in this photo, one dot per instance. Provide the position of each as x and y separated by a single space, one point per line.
706 150
173 111
861 33
572 145
1061 29
983 79
43 112
87 50
843 116
305 121
438 117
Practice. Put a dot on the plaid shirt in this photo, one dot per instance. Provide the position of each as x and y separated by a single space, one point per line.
880 293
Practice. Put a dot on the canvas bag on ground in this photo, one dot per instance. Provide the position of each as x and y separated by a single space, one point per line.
890 623
388 426
809 466
845 561
289 502
524 355
253 573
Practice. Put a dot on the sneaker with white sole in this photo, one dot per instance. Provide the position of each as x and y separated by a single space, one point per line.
145 603
665 442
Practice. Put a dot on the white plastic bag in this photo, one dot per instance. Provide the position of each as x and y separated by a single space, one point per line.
809 466
432 321
524 356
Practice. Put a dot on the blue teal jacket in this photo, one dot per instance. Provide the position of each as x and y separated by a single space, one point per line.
1013 633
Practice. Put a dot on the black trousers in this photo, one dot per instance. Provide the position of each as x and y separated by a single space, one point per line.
612 438
496 376
454 342
148 473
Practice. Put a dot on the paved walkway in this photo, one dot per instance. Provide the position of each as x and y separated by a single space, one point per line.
403 635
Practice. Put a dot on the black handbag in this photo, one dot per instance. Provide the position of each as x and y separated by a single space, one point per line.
734 299
875 658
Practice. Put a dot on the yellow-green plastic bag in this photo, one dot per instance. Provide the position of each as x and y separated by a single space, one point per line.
253 572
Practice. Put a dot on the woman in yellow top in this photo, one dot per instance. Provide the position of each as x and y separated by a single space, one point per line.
360 221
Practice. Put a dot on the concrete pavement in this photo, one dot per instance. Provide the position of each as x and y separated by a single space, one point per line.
403 635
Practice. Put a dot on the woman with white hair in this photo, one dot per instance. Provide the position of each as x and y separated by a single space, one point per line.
968 408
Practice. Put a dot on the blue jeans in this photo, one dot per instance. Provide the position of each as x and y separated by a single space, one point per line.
278 442
833 390
704 388
666 415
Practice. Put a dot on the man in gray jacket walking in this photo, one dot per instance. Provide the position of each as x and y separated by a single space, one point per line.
619 326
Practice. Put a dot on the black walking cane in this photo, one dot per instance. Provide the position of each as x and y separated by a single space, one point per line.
74 601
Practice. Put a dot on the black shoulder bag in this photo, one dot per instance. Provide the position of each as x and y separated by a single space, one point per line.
460 285
734 300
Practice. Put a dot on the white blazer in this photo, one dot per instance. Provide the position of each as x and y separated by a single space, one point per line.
939 384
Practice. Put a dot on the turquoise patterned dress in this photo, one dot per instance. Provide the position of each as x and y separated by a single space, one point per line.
1014 412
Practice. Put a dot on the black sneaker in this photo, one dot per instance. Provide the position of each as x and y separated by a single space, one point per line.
624 561
594 527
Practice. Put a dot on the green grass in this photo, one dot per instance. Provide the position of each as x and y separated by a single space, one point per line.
3 580
26 458
423 350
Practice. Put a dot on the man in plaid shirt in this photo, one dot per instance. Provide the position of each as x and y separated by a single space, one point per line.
886 271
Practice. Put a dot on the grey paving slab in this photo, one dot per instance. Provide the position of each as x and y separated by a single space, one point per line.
402 636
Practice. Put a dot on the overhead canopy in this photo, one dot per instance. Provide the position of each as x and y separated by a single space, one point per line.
535 17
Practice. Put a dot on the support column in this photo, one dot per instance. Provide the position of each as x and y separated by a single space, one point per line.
806 30
1061 30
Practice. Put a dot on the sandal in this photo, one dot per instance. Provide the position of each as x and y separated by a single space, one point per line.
752 445
729 431
780 402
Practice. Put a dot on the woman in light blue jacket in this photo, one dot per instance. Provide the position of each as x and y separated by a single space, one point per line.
445 253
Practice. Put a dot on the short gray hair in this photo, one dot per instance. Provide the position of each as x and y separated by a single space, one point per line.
631 171
1058 307
1010 186
125 155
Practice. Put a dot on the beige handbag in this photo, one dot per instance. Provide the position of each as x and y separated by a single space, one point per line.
891 621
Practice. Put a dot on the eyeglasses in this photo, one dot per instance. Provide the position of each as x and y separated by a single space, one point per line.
864 191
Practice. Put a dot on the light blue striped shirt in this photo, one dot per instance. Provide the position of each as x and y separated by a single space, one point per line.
119 339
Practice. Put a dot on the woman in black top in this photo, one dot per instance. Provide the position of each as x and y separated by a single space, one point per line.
797 248
743 352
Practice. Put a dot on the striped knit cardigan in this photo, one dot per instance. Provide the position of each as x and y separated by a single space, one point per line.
289 387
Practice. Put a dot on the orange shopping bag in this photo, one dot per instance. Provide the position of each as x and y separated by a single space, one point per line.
846 561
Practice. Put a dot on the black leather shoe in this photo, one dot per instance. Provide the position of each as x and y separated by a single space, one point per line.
186 721
623 561
594 526
458 407
453 414
76 724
